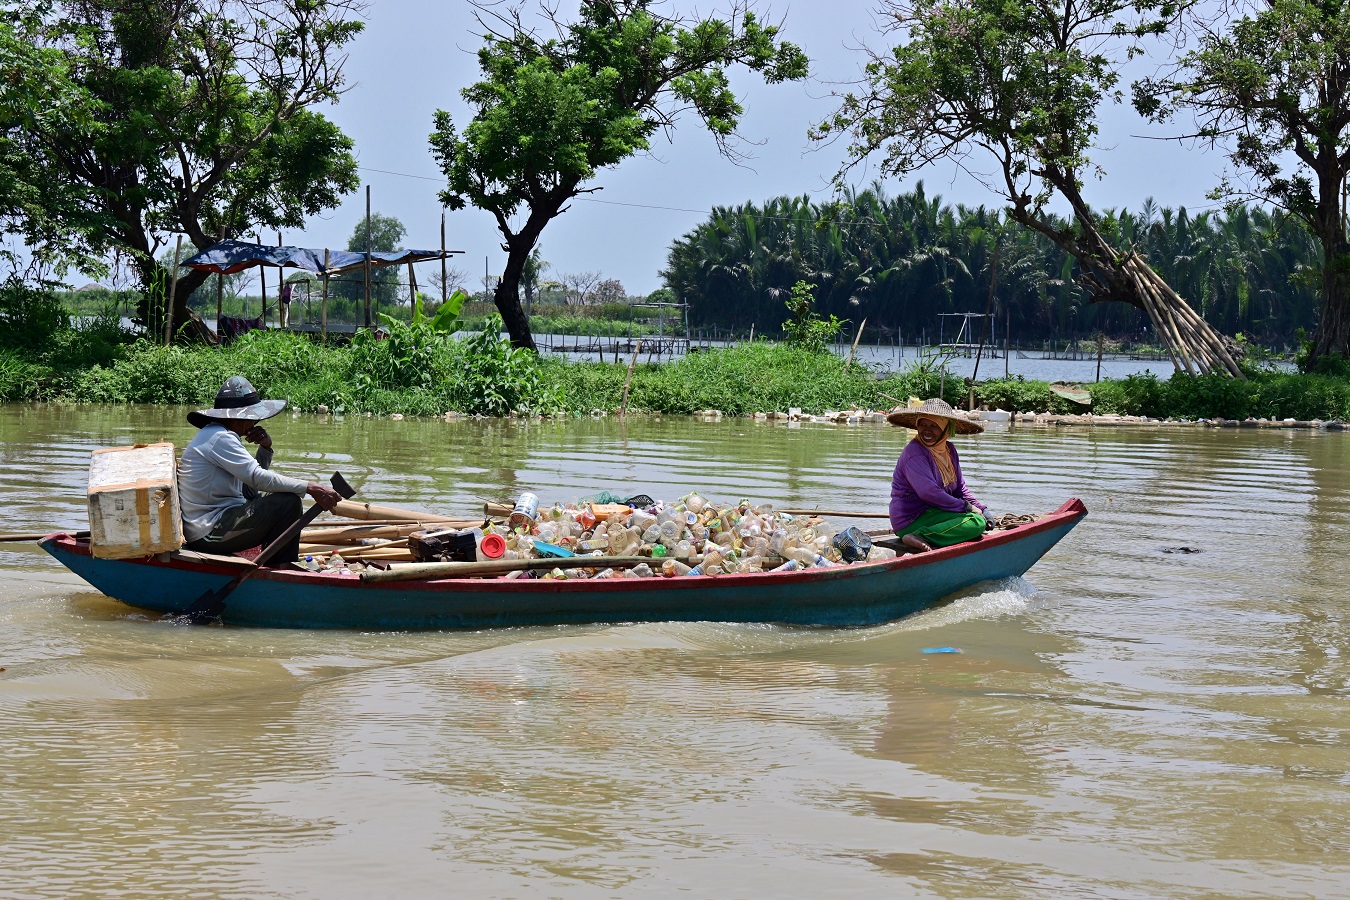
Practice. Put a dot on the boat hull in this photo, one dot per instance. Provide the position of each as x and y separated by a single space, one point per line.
864 594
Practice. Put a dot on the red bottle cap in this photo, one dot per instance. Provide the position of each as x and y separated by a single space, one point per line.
493 546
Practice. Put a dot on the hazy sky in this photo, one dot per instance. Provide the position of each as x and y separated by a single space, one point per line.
415 55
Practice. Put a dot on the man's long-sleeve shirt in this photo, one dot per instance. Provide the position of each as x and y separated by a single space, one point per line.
212 474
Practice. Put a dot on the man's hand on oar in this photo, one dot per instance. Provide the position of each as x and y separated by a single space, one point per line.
324 497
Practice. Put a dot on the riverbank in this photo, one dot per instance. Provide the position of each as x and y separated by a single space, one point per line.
418 373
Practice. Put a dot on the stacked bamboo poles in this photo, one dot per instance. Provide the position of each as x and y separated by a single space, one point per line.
382 534
1190 341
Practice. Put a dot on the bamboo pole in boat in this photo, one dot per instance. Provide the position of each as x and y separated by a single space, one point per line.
832 512
357 534
419 571
39 535
351 509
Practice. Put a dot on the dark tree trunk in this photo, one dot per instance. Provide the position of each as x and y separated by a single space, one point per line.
1333 325
507 298
518 246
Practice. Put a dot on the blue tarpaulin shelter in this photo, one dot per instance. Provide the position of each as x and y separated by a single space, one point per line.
232 256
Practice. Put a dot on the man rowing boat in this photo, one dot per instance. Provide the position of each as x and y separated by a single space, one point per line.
232 501
931 506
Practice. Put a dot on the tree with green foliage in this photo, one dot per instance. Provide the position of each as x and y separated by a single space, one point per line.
386 234
1022 83
553 110
1274 89
193 116
37 90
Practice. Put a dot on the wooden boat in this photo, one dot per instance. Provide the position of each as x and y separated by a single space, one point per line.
859 594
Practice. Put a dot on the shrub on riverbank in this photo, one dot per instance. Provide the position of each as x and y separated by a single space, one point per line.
1268 395
752 377
419 372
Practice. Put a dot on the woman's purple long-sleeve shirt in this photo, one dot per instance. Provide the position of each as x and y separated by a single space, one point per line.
917 486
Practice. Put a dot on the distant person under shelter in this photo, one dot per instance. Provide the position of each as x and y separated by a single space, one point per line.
232 501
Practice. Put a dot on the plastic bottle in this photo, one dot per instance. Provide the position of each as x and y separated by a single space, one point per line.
694 503
684 550
673 567
712 558
790 566
670 532
651 535
336 561
658 551
877 554
642 570
807 557
312 564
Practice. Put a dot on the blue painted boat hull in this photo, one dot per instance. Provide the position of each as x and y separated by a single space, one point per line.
864 594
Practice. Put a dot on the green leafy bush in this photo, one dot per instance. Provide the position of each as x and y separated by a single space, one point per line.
29 315
1135 395
804 327
1015 394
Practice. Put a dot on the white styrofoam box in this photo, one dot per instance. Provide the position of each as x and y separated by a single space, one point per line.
133 501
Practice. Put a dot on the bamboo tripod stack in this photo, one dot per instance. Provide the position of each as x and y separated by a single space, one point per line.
1192 343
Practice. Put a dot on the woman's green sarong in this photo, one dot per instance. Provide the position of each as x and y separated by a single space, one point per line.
942 529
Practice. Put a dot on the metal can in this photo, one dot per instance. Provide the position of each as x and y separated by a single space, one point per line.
527 507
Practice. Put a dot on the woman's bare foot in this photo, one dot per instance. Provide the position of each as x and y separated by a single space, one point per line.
916 542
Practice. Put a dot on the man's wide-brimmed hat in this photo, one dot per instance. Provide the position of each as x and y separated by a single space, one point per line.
933 409
237 399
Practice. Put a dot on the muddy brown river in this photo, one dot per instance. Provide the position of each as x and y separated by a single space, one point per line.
1123 722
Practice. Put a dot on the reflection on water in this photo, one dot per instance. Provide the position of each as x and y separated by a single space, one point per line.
1121 722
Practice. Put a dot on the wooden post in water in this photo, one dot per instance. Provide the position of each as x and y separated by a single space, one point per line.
1101 342
854 349
1007 327
323 310
173 290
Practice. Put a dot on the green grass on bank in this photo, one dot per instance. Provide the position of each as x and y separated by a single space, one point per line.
418 372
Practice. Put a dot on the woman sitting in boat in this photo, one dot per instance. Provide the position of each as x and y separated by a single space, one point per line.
930 503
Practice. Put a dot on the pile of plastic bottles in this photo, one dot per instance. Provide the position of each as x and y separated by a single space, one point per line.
692 536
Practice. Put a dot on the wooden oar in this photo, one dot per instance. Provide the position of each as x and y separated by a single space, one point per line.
209 606
37 536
